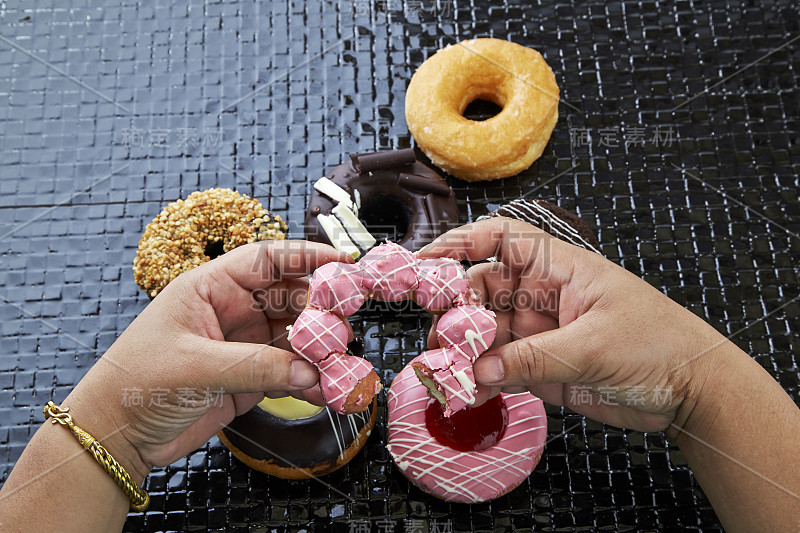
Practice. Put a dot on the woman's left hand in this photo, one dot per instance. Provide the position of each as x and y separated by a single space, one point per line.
205 350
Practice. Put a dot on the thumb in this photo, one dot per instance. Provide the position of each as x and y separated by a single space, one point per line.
556 356
238 367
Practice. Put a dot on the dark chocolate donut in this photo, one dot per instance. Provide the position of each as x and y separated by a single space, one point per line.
297 448
394 192
551 218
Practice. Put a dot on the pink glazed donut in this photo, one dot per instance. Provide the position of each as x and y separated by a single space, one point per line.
391 273
474 456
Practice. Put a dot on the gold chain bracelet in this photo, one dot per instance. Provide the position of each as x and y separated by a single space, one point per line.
138 497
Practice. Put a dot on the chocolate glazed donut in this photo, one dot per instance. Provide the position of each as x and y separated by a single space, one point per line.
297 448
395 193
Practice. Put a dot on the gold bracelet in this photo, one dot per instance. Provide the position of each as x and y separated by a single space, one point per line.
139 497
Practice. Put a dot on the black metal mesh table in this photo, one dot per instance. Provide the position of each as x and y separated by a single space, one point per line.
678 139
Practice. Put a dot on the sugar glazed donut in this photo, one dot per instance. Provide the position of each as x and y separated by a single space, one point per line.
514 77
292 439
388 193
475 455
188 233
391 273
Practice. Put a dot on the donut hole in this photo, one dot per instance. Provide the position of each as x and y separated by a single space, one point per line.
214 249
386 217
471 429
479 110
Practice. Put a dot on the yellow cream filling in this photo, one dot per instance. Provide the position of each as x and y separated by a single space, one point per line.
289 407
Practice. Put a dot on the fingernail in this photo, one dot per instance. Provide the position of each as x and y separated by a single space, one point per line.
489 369
304 375
426 248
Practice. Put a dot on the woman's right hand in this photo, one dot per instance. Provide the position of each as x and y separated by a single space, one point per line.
579 331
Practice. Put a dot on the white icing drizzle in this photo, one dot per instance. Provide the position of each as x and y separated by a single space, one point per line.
531 211
466 384
355 229
337 235
471 336
339 437
449 335
333 191
353 425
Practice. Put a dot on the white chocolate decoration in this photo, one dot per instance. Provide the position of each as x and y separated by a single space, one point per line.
357 197
337 235
355 229
333 191
289 408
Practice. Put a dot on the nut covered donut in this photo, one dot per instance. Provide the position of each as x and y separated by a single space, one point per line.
391 273
474 456
190 232
511 76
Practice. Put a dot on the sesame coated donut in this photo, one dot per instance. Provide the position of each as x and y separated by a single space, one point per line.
190 232
514 77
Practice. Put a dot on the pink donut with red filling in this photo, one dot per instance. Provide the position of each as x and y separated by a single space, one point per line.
474 456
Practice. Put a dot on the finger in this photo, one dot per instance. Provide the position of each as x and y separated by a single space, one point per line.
312 396
494 284
552 393
506 290
432 341
282 299
504 329
484 394
515 389
557 356
260 316
516 244
240 367
279 333
517 316
258 265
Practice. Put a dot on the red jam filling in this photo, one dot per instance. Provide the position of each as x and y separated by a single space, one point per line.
470 429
